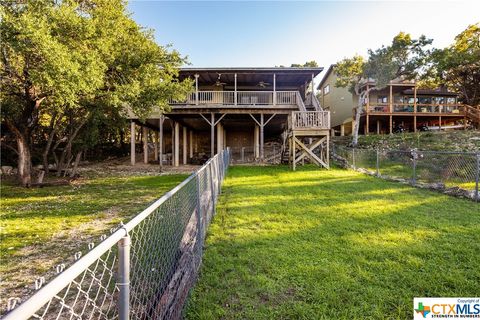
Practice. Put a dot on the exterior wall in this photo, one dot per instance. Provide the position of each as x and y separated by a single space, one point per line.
339 101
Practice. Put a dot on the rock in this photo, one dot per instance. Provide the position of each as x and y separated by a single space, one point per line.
14 171
38 167
7 169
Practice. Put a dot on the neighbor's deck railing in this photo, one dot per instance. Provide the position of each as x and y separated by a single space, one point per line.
311 120
145 268
454 108
242 98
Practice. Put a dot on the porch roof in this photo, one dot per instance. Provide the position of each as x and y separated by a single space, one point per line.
285 76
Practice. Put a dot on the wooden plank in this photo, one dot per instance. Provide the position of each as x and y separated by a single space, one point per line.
310 153
311 146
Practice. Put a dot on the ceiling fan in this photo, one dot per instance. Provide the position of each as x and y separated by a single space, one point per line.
219 83
263 84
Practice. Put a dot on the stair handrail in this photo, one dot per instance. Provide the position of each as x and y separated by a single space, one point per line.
300 104
316 103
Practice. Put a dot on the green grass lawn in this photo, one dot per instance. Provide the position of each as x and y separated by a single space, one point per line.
41 227
335 244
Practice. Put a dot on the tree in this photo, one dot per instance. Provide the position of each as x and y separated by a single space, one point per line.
63 60
403 59
458 66
308 64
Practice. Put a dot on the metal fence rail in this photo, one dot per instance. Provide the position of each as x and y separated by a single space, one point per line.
145 268
443 169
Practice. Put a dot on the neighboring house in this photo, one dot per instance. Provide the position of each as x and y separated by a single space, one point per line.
400 105
241 108
339 101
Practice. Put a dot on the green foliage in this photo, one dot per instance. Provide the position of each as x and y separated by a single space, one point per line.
308 64
350 71
332 244
404 58
458 65
77 62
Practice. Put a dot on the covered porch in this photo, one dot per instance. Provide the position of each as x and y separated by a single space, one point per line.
191 138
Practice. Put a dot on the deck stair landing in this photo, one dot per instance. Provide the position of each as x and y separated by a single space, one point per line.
308 138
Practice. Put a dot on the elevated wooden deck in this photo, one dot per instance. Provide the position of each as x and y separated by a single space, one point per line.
309 132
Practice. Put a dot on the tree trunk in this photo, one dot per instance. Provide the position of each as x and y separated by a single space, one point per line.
358 114
67 151
24 164
46 151
75 164
24 161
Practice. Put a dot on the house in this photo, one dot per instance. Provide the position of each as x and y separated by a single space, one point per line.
400 105
339 101
243 109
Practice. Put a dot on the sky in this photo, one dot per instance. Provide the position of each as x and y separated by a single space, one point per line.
267 34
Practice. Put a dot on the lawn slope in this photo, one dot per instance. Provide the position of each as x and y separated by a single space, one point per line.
316 244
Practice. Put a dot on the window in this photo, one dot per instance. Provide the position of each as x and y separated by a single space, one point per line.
326 89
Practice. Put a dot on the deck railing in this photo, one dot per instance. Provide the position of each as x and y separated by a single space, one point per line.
421 108
242 98
311 120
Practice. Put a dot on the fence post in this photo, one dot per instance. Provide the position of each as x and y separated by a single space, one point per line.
477 177
378 162
414 166
124 278
212 186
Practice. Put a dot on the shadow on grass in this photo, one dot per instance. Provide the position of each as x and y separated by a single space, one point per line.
331 244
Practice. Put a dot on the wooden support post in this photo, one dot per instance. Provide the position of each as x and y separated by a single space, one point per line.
390 99
274 89
235 97
262 151
184 153
196 89
342 130
191 144
391 124
155 146
256 134
132 143
415 108
327 157
367 123
176 148
160 141
219 138
294 156
145 144
378 126
212 134
439 123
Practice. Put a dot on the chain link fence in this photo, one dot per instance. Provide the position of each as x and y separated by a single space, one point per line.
273 154
145 268
451 171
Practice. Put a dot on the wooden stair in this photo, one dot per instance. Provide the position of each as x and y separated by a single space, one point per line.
472 114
